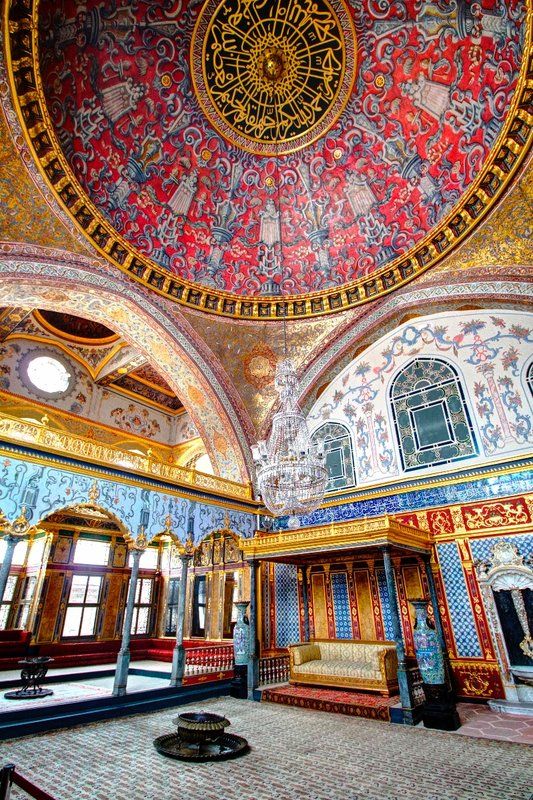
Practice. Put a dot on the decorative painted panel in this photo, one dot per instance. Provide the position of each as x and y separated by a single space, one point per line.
462 618
83 396
431 420
286 583
45 489
467 491
488 352
341 605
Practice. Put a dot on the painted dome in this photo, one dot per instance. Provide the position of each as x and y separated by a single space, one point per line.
203 134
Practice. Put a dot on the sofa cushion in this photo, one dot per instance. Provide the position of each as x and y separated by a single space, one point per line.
347 651
306 652
338 667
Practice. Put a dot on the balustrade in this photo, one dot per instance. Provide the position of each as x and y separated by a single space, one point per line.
205 660
273 669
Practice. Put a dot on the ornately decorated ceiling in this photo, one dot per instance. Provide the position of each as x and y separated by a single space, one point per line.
230 152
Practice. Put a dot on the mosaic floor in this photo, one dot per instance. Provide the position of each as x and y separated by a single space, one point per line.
296 753
479 720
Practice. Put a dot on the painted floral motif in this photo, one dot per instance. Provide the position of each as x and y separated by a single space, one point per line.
490 355
433 89
135 419
259 366
94 293
46 489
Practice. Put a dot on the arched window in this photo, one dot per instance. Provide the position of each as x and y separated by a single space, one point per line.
337 445
430 415
529 378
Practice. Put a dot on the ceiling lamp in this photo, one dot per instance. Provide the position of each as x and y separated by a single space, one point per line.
291 476
291 471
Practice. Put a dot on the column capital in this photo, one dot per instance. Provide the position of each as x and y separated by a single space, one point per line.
139 544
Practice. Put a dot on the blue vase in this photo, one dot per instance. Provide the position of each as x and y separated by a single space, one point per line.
427 646
241 634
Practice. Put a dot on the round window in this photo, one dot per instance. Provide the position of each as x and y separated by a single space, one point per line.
48 375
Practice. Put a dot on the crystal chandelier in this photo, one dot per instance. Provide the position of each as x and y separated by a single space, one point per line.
291 477
291 473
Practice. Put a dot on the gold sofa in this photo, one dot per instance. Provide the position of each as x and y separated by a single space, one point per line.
345 663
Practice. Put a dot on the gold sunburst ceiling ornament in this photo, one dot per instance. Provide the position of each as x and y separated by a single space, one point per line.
273 76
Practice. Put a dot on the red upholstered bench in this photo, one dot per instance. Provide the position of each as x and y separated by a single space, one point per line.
14 645
80 654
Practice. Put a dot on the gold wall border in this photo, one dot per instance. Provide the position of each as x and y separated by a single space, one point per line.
40 436
101 472
319 540
504 161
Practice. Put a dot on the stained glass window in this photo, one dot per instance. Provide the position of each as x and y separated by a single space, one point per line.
431 418
337 445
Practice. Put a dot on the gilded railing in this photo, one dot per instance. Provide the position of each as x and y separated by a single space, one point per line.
41 436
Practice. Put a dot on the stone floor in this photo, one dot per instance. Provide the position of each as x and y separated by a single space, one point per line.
296 754
480 720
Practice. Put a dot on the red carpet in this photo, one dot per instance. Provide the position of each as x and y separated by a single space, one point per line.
356 704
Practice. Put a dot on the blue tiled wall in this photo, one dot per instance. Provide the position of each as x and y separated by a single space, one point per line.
461 614
341 605
287 626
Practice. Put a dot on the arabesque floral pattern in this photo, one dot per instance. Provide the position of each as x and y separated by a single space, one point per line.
433 89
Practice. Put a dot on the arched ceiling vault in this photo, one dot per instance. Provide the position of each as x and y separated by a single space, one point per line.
30 282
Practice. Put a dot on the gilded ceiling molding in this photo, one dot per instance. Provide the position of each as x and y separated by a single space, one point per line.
499 169
10 122
164 339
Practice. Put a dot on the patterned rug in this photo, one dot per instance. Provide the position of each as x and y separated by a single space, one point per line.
355 704
62 693
295 753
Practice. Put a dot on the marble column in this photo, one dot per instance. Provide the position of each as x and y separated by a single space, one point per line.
123 659
11 543
178 654
404 678
253 660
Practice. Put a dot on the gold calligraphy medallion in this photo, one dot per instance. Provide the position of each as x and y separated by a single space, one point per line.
273 76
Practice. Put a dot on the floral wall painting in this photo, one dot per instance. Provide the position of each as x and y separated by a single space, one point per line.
136 420
45 489
464 396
